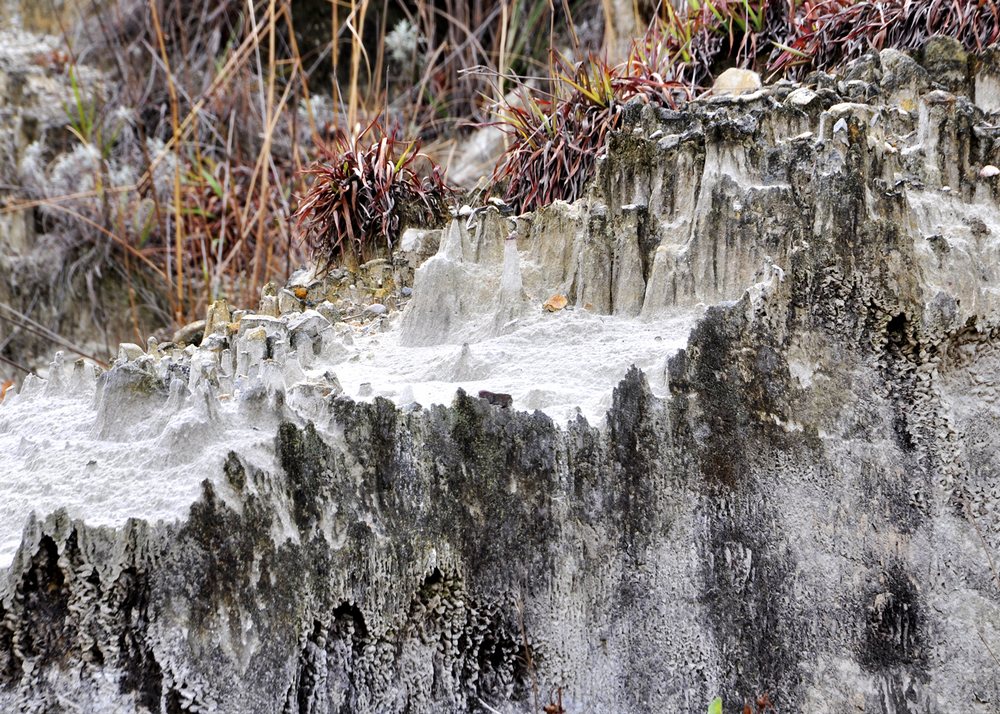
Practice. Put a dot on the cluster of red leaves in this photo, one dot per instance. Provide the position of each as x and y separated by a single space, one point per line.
777 36
363 188
555 139
828 32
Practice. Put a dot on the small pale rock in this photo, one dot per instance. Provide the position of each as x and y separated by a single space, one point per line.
376 309
129 352
989 171
735 81
555 303
406 292
802 97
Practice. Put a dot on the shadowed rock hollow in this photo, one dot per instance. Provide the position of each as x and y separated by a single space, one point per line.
810 512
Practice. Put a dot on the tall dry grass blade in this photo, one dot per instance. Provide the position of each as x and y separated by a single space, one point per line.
175 126
356 24
268 134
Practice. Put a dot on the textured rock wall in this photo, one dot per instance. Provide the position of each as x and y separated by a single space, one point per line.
51 273
811 513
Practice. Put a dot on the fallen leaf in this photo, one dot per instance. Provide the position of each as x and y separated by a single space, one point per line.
555 303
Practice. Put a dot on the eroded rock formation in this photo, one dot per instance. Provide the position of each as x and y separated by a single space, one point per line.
811 512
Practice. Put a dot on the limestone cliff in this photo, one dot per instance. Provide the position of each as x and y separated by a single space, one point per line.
811 511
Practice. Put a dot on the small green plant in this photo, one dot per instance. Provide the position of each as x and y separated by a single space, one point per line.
363 189
85 121
716 706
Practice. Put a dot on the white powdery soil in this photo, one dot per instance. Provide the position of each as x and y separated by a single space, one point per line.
52 456
563 363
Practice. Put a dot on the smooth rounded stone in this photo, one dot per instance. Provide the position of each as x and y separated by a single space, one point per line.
406 292
735 81
128 352
989 171
376 310
946 62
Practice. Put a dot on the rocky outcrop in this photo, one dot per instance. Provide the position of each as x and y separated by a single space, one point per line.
811 512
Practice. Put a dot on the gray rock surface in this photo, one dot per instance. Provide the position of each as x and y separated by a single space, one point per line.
812 512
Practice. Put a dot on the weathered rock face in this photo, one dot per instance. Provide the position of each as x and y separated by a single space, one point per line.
50 272
812 512
51 18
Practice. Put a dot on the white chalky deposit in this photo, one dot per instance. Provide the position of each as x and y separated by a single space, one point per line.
60 449
559 363
105 458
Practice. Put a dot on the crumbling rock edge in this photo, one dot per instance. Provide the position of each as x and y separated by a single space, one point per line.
812 513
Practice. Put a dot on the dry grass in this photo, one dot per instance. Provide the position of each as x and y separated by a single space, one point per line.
214 105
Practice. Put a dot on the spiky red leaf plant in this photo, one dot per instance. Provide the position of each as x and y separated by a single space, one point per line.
364 189
556 137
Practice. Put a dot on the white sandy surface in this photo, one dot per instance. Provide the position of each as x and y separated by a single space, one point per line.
559 363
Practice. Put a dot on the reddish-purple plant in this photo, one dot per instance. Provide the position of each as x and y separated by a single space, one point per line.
363 190
828 32
555 139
